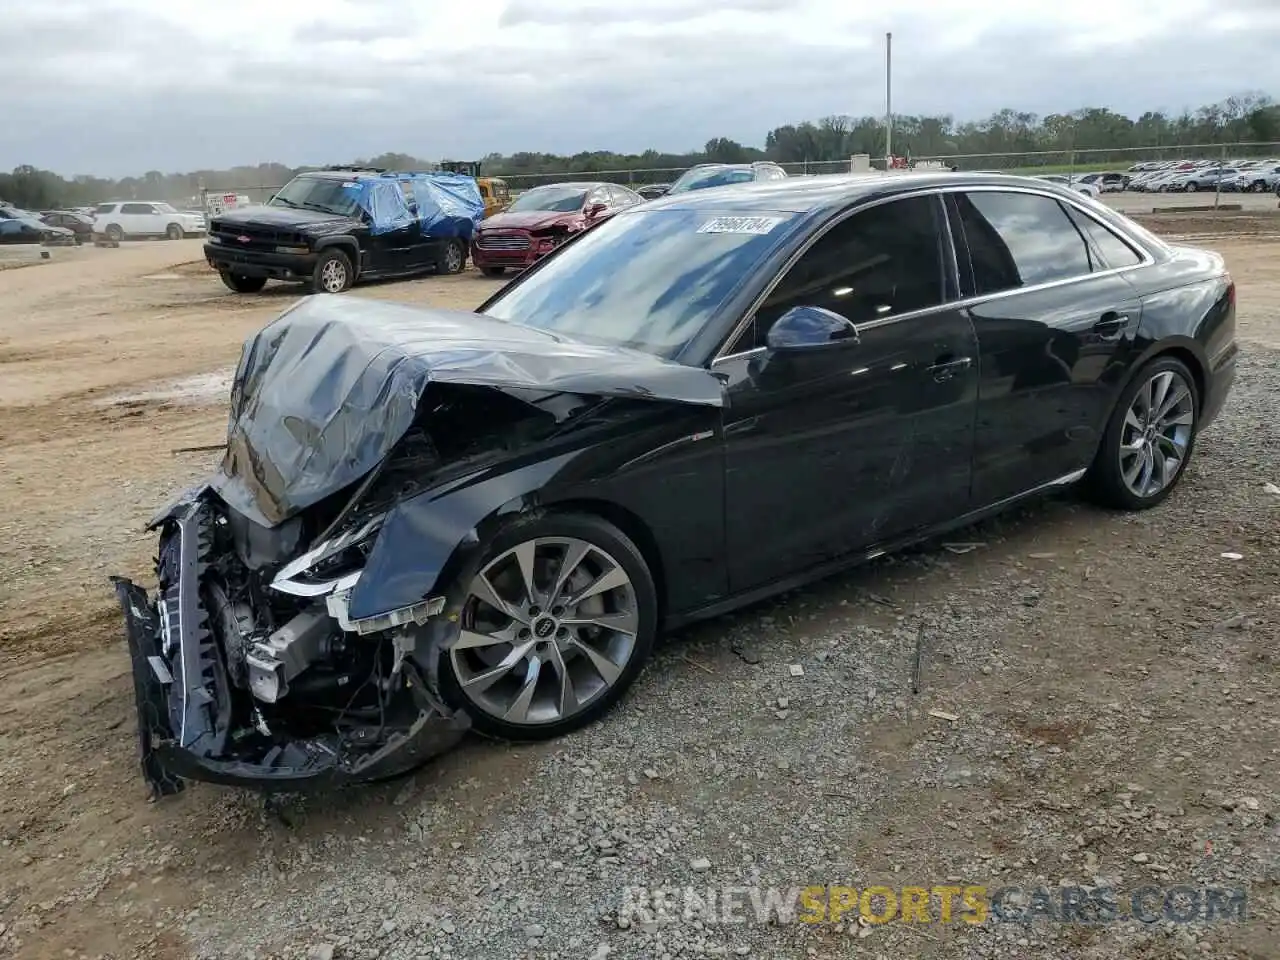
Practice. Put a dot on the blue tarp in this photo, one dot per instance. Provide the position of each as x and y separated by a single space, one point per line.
443 204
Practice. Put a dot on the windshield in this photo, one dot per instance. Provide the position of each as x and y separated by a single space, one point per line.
712 177
551 199
647 280
324 194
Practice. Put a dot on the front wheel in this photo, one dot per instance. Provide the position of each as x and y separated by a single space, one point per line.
454 258
1192 187
242 284
1149 439
333 273
174 232
554 625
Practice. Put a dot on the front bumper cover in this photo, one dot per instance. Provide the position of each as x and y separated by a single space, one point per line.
181 714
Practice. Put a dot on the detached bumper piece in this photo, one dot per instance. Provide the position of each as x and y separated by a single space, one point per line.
198 718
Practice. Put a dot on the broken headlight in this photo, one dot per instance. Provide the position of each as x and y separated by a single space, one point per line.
330 565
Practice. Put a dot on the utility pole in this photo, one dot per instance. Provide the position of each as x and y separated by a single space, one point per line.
888 100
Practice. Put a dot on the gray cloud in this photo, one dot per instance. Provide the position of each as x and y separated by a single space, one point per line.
520 12
145 87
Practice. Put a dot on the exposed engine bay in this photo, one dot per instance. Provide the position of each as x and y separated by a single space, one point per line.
254 669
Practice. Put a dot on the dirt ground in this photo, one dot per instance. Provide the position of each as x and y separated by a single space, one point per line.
112 360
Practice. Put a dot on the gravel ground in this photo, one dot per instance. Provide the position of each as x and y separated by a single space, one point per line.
1097 709
1113 682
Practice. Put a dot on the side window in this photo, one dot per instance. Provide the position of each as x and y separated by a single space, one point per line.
600 195
106 208
1114 251
406 187
622 197
136 208
878 263
1019 239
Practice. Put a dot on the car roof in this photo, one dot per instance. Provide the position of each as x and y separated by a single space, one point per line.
580 184
833 191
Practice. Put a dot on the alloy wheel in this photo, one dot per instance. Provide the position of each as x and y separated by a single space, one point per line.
453 259
333 276
1157 434
547 628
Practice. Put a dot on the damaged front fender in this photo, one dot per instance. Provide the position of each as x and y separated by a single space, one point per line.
426 539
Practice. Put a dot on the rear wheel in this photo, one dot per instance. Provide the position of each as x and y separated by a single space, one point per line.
114 233
242 284
1192 186
493 271
333 273
1149 438
454 258
555 624
174 231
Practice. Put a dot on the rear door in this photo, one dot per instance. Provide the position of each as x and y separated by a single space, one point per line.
137 219
1055 320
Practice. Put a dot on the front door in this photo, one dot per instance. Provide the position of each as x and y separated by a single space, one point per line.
838 450
1054 335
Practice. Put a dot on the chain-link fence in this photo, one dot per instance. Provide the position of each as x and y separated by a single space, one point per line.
1036 161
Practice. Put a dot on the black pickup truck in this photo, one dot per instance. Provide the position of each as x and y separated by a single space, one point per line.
331 228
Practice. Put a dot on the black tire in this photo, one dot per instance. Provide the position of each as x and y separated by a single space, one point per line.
493 271
174 231
602 534
114 233
241 284
1105 482
454 258
1259 186
1192 186
333 273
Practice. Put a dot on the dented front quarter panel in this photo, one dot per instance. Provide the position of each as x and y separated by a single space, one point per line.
657 464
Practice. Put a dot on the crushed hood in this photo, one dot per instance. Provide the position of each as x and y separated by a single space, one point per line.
324 392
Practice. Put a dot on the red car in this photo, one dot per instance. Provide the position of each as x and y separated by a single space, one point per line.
541 219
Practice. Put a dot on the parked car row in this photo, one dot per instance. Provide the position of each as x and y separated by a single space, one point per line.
23 226
1241 176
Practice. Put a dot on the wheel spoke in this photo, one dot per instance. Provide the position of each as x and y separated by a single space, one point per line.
525 554
471 640
1133 469
622 621
519 710
483 590
574 553
1160 389
617 577
487 678
1172 400
606 668
567 697
1133 421
1181 420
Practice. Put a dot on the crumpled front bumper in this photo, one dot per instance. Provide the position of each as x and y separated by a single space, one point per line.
294 766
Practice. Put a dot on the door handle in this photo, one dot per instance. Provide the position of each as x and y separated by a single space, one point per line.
945 369
1111 325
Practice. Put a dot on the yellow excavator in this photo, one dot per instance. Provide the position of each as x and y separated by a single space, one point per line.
493 190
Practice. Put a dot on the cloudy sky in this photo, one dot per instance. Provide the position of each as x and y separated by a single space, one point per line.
114 87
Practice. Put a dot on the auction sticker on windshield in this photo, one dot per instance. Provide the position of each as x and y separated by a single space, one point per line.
756 225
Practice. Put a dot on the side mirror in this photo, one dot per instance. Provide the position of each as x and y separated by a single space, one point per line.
595 209
804 328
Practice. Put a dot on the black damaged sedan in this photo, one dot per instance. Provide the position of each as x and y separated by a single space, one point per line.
426 521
